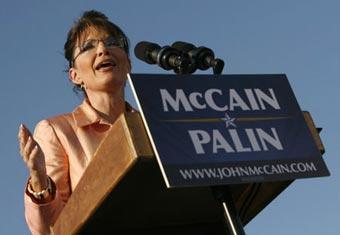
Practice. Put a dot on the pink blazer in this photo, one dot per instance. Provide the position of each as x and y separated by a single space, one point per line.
68 141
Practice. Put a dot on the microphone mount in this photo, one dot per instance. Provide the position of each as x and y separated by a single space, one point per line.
202 58
169 58
181 57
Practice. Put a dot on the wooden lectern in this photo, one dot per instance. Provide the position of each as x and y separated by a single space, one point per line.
122 192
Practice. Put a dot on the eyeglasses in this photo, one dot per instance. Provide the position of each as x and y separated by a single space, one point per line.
91 44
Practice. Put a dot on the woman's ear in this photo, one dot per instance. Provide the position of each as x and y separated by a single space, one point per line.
73 76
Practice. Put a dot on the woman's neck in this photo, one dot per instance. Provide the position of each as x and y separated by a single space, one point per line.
108 105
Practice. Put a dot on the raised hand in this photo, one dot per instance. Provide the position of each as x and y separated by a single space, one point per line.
34 159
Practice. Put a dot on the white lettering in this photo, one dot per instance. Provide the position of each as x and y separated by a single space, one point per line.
254 144
251 98
198 138
237 141
193 99
230 141
272 101
266 138
174 103
220 143
210 101
245 100
236 101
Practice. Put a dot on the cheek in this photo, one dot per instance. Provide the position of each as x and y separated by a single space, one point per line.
85 66
129 66
126 63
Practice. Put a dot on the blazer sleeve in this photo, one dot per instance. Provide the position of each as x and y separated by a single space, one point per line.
40 217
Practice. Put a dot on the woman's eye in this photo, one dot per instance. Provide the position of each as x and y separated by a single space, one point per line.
87 46
111 42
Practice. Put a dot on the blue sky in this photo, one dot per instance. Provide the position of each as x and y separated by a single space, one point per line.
298 38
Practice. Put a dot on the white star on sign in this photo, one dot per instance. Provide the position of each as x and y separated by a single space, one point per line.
228 121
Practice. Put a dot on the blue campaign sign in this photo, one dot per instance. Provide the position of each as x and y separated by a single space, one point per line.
224 129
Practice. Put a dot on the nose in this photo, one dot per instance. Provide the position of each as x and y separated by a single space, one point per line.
101 49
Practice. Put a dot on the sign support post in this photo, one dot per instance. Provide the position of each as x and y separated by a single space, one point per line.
231 216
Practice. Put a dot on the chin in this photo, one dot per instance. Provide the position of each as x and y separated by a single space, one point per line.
114 85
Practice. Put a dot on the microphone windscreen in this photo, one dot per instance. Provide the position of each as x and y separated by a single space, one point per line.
143 51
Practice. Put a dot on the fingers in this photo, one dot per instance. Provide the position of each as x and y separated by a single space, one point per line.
30 144
24 130
26 142
34 151
22 138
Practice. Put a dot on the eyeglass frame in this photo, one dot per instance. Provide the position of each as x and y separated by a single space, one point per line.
106 42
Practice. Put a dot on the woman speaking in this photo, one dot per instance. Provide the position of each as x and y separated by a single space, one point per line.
61 147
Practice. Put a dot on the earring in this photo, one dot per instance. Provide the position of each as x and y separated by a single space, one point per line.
83 86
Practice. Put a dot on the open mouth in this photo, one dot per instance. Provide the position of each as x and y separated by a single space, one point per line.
107 64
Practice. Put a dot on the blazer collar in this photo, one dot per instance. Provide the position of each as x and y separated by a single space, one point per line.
85 114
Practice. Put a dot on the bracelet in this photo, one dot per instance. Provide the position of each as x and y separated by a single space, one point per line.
43 193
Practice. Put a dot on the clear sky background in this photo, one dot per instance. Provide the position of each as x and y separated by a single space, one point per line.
298 38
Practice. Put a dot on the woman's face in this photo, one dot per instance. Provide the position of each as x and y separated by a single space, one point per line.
99 65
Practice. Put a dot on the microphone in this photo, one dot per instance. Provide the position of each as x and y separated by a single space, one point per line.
166 57
202 57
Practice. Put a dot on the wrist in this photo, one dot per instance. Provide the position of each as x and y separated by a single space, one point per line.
43 194
37 173
38 180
